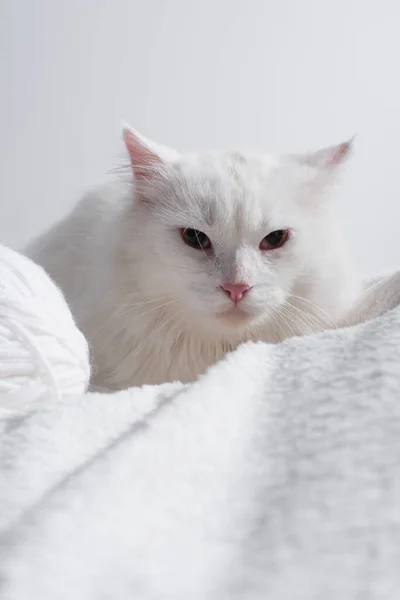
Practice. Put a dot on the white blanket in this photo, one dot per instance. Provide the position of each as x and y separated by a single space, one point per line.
276 476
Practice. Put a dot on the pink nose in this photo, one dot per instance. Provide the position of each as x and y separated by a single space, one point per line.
236 290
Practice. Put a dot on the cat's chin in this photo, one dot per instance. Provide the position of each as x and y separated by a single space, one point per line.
235 316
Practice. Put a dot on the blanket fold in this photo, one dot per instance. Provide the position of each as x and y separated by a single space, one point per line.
276 475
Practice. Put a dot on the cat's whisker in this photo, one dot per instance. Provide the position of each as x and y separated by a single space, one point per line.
129 308
254 333
137 349
295 327
316 306
136 304
307 318
281 313
117 331
281 329
303 317
172 209
312 321
311 303
274 316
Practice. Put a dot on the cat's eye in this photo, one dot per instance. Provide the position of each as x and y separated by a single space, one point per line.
196 239
275 239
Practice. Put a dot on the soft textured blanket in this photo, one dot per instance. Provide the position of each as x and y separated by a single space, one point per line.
275 476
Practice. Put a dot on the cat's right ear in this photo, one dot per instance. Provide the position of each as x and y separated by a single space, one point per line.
146 157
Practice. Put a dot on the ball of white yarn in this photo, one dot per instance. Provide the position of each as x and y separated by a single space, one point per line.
42 352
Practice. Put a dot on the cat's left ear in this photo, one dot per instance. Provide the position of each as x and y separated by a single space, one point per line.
147 158
328 159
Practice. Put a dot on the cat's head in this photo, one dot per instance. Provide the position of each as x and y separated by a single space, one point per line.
227 239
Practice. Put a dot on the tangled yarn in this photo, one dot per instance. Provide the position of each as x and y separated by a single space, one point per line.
41 349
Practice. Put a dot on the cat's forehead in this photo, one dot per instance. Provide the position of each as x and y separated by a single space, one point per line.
229 168
230 188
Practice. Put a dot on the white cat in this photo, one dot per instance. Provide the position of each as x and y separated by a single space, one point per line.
195 254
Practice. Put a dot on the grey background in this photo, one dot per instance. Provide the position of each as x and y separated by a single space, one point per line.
275 75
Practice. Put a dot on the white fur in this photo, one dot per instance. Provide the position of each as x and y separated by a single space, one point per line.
151 306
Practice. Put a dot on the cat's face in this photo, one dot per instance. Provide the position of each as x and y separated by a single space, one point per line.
227 238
